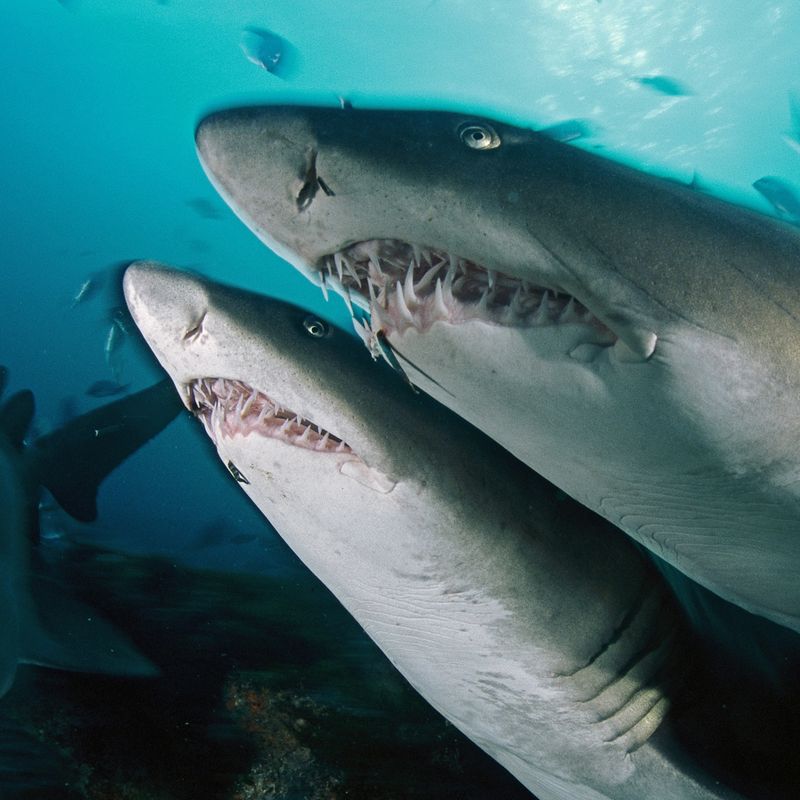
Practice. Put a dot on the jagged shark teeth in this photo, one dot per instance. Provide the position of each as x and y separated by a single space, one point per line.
410 286
230 408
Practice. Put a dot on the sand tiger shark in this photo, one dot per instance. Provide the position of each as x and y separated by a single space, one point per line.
42 623
532 624
633 340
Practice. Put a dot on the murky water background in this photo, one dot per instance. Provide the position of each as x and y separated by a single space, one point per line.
99 102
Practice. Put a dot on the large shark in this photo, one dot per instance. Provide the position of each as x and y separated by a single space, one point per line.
533 625
42 623
631 339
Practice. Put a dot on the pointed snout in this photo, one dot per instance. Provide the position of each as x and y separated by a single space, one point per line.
168 306
263 162
256 156
163 298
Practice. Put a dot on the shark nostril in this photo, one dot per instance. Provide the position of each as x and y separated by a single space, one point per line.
312 183
193 332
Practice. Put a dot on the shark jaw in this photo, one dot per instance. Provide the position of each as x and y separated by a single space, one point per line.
408 286
231 408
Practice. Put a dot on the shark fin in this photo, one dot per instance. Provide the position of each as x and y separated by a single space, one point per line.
16 415
62 632
74 460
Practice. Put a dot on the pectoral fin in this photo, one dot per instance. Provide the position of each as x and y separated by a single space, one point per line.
73 461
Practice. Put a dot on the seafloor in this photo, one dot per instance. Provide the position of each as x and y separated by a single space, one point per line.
268 691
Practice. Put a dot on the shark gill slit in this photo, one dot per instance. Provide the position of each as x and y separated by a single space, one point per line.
409 285
232 408
634 677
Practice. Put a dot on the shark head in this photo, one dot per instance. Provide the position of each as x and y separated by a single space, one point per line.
629 338
205 336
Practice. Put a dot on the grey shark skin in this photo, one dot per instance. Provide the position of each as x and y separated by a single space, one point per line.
633 341
534 626
42 623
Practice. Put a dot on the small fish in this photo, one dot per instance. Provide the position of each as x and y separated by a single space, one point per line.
569 130
106 388
204 208
269 51
781 196
88 288
114 341
121 317
665 85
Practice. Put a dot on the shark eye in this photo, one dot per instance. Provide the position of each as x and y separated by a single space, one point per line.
315 327
478 136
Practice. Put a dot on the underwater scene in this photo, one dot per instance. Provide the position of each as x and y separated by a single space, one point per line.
400 400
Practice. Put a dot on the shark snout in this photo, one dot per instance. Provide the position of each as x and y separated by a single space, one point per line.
267 148
264 163
169 309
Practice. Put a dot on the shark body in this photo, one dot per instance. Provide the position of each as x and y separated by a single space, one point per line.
42 623
535 627
632 340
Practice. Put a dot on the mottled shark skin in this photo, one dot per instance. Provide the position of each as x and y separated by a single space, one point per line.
535 627
42 622
634 341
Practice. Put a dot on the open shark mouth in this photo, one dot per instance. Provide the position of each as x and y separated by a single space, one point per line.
232 408
409 286
229 408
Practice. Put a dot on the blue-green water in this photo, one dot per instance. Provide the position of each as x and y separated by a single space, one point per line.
100 98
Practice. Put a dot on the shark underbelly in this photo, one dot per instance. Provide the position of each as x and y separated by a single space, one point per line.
463 632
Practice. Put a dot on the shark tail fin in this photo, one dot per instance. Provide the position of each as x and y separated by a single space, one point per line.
16 415
62 632
74 460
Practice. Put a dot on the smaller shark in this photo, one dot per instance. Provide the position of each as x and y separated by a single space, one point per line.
534 626
42 623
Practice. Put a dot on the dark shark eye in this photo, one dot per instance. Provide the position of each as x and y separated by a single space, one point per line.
478 136
316 327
